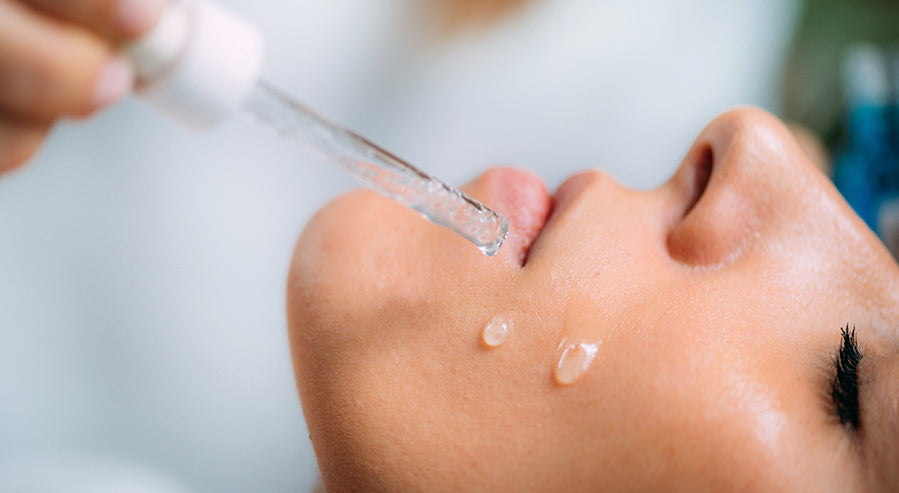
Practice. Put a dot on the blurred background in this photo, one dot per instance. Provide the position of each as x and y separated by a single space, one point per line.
142 267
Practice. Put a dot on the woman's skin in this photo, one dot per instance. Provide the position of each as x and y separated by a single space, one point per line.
716 302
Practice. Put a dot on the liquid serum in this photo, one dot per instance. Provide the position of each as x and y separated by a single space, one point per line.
497 331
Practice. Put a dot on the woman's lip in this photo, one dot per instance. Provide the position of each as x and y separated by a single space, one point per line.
570 189
522 199
566 194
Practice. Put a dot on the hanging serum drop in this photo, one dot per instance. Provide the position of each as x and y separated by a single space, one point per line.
574 359
497 331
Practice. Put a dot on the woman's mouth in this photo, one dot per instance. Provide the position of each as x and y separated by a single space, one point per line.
522 198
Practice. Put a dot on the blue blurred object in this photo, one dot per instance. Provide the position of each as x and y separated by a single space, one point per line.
867 170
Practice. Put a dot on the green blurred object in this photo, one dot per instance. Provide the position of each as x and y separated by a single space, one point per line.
842 83
813 92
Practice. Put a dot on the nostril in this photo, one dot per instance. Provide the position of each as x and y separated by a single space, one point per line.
702 173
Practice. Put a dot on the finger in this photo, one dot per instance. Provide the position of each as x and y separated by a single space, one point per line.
115 19
50 69
19 141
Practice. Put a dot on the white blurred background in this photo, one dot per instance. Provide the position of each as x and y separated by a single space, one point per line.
142 268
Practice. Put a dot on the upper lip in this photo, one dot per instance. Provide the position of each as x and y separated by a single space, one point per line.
522 198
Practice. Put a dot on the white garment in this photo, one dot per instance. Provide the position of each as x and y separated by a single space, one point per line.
142 286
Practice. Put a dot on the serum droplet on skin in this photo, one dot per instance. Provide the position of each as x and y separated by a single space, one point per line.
574 360
496 333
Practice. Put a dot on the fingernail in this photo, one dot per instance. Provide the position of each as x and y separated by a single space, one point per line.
115 80
137 16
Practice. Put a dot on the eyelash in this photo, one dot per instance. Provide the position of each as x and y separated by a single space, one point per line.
844 388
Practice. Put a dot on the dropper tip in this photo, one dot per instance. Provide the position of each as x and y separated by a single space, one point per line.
493 244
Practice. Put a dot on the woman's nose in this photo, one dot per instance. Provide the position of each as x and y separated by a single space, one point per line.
744 178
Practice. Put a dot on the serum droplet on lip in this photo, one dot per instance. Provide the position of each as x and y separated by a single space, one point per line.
574 360
496 333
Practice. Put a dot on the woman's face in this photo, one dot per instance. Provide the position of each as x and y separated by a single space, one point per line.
712 308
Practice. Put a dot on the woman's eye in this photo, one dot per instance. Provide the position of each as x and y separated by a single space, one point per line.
844 388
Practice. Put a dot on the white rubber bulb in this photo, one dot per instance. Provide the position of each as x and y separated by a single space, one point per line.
199 64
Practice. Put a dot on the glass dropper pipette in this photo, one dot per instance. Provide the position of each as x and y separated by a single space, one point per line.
201 63
378 169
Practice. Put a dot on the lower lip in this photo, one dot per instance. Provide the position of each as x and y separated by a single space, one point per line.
522 198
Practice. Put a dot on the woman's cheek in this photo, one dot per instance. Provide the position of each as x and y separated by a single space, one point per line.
342 262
